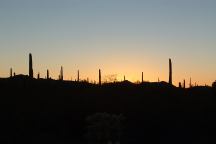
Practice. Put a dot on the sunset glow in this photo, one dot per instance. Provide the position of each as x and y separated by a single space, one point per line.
120 37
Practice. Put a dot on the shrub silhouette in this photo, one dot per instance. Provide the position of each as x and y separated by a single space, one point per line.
104 128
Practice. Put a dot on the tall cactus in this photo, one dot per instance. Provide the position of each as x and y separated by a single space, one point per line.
11 72
38 76
99 77
184 84
142 77
61 77
124 78
170 71
78 76
190 83
180 86
48 74
30 66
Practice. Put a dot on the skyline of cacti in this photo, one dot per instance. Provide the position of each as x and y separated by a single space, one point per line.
61 76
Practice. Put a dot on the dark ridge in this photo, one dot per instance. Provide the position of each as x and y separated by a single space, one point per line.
57 111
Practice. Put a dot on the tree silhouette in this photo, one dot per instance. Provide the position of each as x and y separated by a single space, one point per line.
110 78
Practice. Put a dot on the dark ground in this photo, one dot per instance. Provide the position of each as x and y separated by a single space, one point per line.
48 111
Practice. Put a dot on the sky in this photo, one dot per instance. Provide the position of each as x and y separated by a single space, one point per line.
121 37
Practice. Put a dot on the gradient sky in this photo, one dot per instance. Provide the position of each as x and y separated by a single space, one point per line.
123 37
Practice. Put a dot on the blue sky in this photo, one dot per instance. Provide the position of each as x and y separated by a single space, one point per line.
123 37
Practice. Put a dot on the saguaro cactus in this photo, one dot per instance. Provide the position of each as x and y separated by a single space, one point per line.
142 77
99 77
170 71
180 86
11 72
48 74
61 77
184 84
38 76
190 83
30 66
78 76
124 78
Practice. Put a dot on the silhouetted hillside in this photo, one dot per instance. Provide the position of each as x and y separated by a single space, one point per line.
55 111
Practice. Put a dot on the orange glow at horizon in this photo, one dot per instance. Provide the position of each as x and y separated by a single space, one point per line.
130 73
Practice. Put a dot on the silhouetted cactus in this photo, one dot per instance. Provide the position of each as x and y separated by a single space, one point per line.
170 71
48 74
142 77
78 76
124 78
190 84
11 72
38 76
61 77
180 86
30 66
184 84
214 84
14 74
99 77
